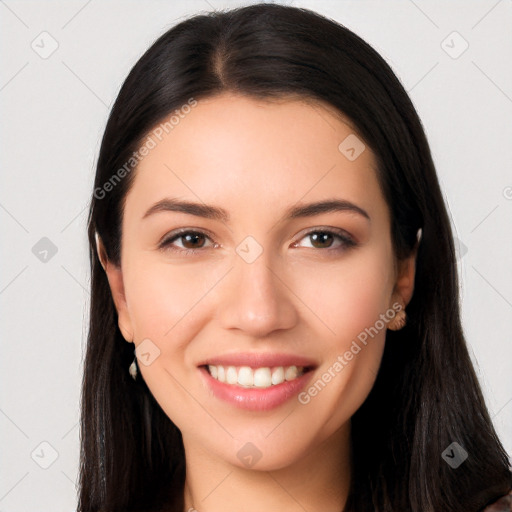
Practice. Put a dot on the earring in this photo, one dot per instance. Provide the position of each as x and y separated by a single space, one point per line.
133 369
399 320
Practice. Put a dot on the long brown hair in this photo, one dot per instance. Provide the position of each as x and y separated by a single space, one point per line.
426 395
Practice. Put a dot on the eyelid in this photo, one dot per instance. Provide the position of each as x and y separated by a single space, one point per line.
182 231
347 239
165 241
323 229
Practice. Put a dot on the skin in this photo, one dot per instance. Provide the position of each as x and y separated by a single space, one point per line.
256 159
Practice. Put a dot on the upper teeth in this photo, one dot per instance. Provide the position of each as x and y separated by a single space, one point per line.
254 377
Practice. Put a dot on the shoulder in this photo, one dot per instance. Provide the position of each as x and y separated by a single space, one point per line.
503 504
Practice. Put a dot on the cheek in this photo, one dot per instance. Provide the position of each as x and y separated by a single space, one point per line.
166 306
353 297
346 296
160 296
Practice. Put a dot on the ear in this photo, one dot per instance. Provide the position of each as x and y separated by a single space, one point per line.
406 271
115 281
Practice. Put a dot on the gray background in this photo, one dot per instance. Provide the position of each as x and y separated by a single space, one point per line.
54 108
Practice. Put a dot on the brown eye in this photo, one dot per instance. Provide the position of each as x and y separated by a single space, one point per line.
321 240
191 241
328 239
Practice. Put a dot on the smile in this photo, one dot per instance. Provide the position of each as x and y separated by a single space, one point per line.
248 377
256 381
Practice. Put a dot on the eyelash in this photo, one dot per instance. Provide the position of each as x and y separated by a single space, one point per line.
347 242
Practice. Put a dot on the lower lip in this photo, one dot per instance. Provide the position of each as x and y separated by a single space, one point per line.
256 399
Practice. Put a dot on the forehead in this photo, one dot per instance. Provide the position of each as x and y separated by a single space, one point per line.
236 150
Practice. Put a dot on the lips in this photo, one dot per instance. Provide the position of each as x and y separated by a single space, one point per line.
259 360
226 377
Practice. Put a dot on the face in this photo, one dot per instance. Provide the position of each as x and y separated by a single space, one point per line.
255 282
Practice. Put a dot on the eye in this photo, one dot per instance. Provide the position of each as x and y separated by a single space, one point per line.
191 241
326 238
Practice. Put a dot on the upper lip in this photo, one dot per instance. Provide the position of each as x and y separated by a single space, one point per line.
259 360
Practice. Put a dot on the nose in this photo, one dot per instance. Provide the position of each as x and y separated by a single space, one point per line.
257 300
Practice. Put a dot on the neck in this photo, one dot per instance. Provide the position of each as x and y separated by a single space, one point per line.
317 482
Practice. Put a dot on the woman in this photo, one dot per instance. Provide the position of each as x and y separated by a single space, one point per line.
268 230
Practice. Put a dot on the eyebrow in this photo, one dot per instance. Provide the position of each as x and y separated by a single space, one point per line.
216 213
